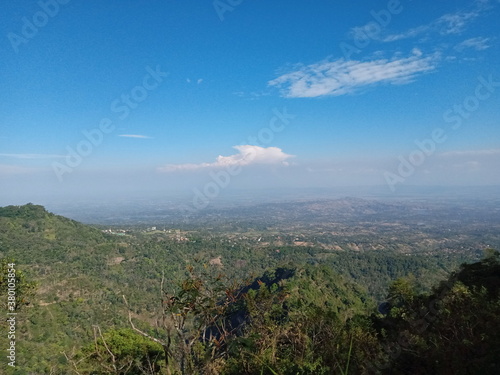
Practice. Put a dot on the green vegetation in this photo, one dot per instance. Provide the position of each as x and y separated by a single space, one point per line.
454 329
118 351
202 303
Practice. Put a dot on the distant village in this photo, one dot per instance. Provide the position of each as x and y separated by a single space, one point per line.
174 233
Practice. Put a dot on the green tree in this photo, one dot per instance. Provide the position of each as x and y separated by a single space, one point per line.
14 284
454 330
118 351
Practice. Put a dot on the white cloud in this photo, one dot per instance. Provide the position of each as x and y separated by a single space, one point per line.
447 24
411 33
341 77
252 95
134 136
485 162
198 81
33 156
490 152
12 169
471 165
454 23
478 44
247 155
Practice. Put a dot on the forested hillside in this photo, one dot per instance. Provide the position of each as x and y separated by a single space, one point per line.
255 309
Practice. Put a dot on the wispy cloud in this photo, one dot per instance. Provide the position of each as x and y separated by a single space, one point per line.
463 163
447 24
13 169
134 136
247 155
339 77
198 81
411 33
252 95
489 152
32 156
478 44
455 23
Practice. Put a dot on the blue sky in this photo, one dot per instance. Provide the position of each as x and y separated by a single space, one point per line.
284 93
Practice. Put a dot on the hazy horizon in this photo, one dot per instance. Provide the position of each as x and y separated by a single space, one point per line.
179 206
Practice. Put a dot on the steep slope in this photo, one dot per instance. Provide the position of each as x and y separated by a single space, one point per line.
68 262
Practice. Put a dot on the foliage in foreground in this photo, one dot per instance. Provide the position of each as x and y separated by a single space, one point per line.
310 321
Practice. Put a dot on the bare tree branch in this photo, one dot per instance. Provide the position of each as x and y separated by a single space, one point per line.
113 358
75 369
165 345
